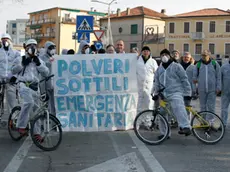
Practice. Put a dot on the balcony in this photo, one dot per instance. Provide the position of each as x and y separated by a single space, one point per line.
68 20
198 36
39 22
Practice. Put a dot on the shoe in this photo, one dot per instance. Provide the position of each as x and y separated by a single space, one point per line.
161 136
185 131
23 131
39 138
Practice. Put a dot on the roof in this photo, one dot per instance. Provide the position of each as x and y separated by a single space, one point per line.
72 10
207 12
138 11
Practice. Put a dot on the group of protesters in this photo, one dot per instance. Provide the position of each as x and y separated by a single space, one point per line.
181 78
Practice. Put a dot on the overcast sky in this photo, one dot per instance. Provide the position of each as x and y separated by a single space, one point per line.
13 9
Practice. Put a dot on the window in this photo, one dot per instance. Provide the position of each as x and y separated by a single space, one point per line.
21 40
171 47
199 26
14 25
212 48
198 49
227 48
212 26
133 45
171 27
186 48
134 28
186 27
13 32
227 26
74 35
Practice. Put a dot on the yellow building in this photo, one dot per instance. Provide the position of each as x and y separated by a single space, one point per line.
136 26
59 26
199 30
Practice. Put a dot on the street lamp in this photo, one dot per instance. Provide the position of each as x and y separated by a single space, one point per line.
109 30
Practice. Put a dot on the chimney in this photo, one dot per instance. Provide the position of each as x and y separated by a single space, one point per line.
163 11
118 12
128 11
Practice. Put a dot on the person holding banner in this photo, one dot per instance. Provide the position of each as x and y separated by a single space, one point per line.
47 57
84 47
146 68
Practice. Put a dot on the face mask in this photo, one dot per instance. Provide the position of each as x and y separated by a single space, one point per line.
32 50
87 51
165 59
5 43
52 52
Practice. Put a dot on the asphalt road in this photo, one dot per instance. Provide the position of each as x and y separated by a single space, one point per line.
118 151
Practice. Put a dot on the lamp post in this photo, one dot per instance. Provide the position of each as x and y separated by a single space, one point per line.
109 30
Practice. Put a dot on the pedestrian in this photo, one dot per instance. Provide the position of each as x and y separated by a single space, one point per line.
172 77
7 56
101 51
225 92
48 58
120 46
207 75
71 51
146 68
64 51
176 56
84 47
110 49
28 69
135 50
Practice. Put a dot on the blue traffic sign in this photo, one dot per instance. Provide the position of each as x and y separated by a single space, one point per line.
98 45
84 24
84 36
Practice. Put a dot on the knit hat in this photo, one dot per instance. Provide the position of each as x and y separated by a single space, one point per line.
145 48
165 51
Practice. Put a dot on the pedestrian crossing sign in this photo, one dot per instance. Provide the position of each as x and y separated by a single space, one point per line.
84 24
83 36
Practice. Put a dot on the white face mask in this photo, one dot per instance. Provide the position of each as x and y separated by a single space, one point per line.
6 44
32 51
87 51
165 59
52 52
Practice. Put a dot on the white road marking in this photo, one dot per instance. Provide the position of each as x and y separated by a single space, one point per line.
125 163
18 158
151 161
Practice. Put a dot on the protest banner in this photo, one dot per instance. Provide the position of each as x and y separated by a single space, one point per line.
95 92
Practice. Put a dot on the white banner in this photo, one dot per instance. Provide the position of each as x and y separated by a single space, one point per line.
95 92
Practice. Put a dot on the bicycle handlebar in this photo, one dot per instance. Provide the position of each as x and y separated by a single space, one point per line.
156 97
46 78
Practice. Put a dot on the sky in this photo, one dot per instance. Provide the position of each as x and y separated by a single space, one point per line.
17 9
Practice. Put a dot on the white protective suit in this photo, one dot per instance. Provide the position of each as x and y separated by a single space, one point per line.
82 44
175 81
225 92
145 79
49 85
29 96
6 60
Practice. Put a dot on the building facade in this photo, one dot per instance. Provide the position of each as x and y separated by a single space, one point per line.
199 30
135 26
16 29
59 26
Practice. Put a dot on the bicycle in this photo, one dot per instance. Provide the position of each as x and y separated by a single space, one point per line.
41 114
2 99
206 124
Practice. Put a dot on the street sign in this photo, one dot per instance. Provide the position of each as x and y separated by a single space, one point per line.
99 34
98 45
83 36
85 24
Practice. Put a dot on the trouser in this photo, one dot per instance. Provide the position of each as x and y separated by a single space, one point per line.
177 107
207 102
145 102
10 97
30 104
225 101
51 105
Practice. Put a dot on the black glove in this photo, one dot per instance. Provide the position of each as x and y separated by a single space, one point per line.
155 97
26 61
13 80
36 60
187 98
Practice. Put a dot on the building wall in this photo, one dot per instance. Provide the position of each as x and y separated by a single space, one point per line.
16 29
219 38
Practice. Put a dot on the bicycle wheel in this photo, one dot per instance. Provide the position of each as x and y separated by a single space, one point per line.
12 121
147 125
208 127
41 134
